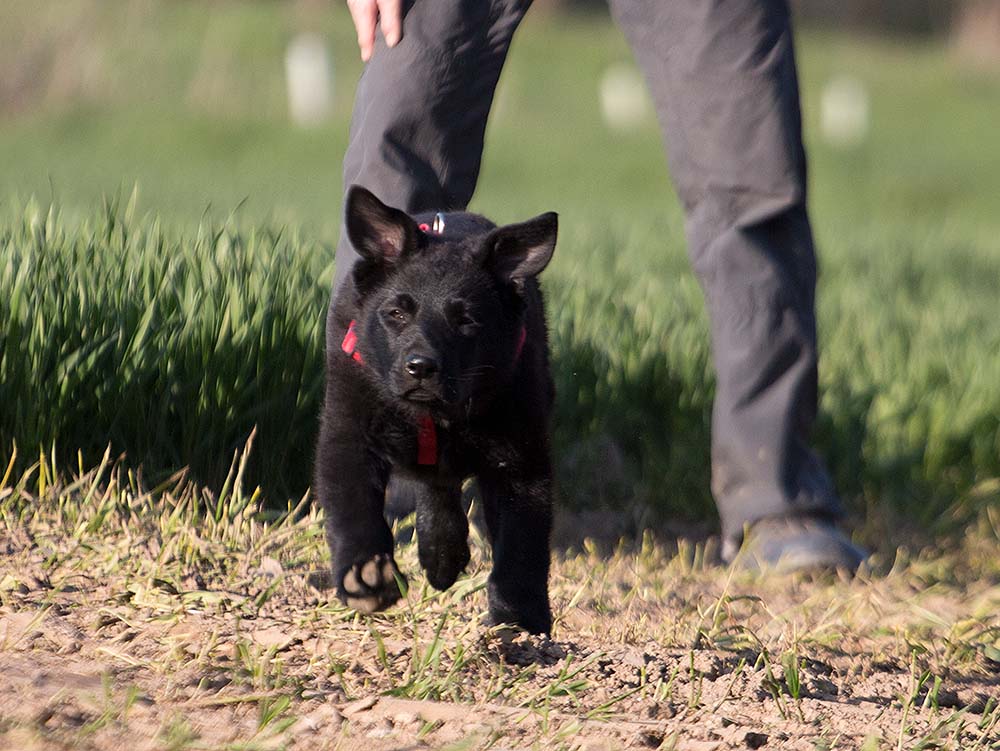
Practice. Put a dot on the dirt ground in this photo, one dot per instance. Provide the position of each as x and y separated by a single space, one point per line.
132 623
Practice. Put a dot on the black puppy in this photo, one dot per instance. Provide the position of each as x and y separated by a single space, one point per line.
437 369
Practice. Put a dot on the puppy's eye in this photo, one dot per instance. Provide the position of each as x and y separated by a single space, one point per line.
469 329
395 316
399 310
467 324
460 318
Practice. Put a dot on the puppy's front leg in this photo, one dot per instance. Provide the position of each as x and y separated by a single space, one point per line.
350 485
442 531
518 510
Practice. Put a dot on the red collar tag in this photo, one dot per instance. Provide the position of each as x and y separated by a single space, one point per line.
427 442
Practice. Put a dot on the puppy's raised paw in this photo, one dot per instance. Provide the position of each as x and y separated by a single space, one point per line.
371 585
443 564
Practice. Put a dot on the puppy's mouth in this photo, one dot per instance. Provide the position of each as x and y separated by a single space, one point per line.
420 394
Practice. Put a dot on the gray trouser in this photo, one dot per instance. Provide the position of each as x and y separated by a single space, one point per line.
722 75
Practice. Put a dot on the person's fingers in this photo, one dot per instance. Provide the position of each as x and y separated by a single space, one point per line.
364 13
391 13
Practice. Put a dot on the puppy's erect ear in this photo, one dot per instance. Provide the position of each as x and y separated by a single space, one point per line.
520 251
378 232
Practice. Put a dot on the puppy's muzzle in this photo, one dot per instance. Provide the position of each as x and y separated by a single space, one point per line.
419 381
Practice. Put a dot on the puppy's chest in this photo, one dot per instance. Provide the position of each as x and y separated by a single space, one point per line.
426 446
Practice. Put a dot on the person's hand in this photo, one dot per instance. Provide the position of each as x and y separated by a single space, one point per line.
367 13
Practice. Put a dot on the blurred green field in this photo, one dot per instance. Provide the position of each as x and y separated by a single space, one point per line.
167 236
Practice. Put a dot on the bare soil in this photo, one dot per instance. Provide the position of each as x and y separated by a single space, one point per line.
143 633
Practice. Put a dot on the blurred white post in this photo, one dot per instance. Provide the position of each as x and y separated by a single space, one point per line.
625 102
309 78
844 112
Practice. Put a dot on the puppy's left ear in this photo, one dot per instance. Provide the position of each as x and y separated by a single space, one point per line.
520 251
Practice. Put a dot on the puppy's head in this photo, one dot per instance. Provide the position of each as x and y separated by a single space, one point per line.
441 314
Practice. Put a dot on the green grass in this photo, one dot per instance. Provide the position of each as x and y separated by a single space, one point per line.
171 320
172 348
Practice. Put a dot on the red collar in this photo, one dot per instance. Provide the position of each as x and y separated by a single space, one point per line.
426 432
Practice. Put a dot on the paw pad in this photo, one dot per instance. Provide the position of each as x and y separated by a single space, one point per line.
369 586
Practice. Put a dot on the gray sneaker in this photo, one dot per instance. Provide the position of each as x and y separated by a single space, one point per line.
794 543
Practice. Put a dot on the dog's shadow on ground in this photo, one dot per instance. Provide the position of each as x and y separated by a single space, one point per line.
605 529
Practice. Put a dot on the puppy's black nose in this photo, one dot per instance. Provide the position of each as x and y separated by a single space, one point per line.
420 366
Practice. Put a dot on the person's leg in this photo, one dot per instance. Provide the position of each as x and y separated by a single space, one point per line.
421 107
722 74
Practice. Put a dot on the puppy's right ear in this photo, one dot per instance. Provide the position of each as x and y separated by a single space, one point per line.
378 232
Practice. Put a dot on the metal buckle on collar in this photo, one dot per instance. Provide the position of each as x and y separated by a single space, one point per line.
437 227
